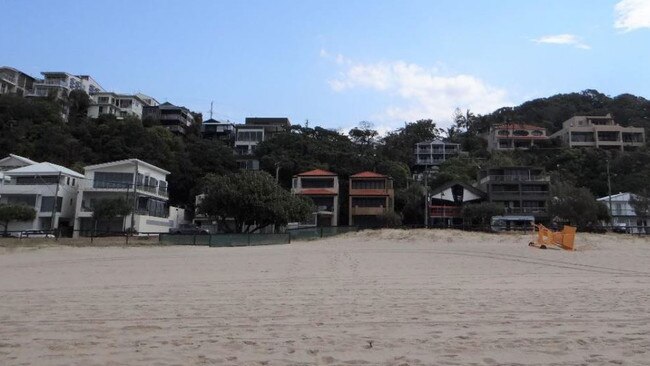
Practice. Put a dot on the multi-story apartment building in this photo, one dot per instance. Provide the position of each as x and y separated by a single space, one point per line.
48 188
251 133
118 105
322 187
599 132
174 118
511 136
521 190
13 81
213 129
623 214
59 84
433 153
446 203
370 196
143 185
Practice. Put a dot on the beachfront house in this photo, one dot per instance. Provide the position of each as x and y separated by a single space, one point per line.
521 190
50 189
446 203
322 187
142 185
623 215
371 195
251 133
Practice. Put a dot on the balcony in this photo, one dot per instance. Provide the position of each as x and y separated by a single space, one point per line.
356 210
56 83
515 178
445 211
526 210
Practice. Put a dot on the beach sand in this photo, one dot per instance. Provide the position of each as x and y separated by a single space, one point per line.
386 297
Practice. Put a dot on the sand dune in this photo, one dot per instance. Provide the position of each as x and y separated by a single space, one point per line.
387 297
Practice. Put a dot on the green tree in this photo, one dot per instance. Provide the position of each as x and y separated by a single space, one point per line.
409 202
252 200
11 212
576 205
398 145
109 208
480 214
641 204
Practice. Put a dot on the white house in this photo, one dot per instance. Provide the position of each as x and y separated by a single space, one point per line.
622 212
151 212
37 185
14 161
119 105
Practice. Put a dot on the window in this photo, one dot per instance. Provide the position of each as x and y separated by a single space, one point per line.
520 133
113 180
37 180
503 132
47 204
369 184
537 133
250 136
67 180
317 183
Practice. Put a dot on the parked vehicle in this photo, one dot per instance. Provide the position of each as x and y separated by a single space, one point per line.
189 229
36 234
620 228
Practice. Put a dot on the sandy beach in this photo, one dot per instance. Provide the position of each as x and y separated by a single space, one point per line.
386 297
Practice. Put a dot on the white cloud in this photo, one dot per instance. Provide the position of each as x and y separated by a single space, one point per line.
423 92
563 39
632 15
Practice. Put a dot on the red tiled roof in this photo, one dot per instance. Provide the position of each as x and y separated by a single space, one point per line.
316 173
317 192
368 175
514 126
524 137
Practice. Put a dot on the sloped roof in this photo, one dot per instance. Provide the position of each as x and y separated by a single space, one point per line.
368 174
123 162
42 169
20 158
316 173
466 186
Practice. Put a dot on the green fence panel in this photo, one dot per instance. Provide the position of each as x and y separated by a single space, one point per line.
269 239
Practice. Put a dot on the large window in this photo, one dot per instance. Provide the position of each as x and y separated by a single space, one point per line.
250 136
37 180
113 180
47 204
152 207
317 183
369 184
20 199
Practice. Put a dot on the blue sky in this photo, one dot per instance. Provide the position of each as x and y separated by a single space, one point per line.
337 62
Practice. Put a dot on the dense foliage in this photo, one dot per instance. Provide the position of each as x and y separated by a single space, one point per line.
109 208
249 201
34 128
10 212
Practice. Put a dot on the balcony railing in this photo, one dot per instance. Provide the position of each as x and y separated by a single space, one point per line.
515 178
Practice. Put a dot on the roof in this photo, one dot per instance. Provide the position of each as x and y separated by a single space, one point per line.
124 162
42 169
368 174
316 173
621 196
20 158
316 192
513 126
437 142
466 186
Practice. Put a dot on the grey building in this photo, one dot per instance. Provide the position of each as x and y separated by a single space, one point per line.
251 133
433 153
599 132
13 81
521 190
174 118
220 130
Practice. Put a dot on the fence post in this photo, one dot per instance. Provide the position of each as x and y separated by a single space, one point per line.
127 239
194 239
249 239
209 240
321 233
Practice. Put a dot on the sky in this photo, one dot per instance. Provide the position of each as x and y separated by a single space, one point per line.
335 63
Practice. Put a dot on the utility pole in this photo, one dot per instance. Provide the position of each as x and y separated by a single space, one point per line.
54 224
135 196
426 200
609 191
